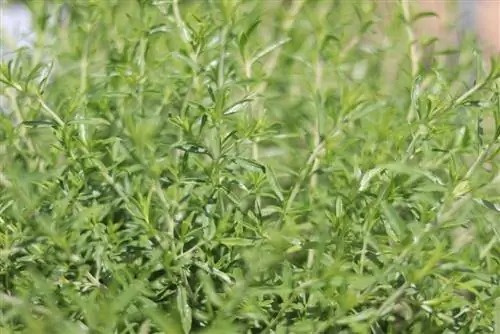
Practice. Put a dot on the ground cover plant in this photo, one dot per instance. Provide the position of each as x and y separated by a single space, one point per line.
247 167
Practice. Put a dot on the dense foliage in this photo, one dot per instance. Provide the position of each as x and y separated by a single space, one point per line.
246 167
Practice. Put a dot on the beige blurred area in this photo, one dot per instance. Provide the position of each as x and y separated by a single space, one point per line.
479 16
456 18
488 24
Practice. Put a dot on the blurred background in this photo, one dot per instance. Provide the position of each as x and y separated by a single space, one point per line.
453 21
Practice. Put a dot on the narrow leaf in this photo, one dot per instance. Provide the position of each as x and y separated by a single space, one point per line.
90 121
273 182
192 148
367 177
423 15
40 123
238 106
243 40
241 242
269 49
249 164
488 204
393 224
184 310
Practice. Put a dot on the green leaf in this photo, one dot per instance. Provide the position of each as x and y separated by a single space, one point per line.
184 310
192 148
461 188
366 26
422 15
249 164
270 49
165 322
488 204
209 288
235 107
273 182
203 122
497 315
401 168
90 121
326 41
33 74
230 135
367 177
362 316
393 224
159 28
39 123
243 40
212 94
240 242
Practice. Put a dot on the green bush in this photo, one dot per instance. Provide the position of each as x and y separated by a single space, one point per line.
246 167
